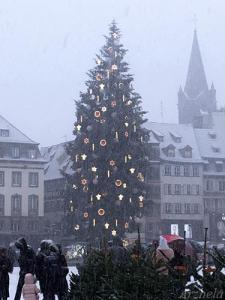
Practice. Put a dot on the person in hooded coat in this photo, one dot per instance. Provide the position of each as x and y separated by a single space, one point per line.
164 254
30 290
26 262
63 285
5 268
41 268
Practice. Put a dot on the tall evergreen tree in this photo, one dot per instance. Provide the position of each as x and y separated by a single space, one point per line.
109 153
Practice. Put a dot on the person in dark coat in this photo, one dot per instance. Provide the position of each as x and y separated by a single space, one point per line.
63 285
26 262
5 268
40 268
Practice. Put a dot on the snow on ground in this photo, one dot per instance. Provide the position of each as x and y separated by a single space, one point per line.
14 279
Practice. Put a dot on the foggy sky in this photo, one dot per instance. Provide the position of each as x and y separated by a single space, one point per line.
47 47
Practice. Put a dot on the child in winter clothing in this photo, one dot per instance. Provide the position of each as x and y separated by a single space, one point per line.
30 291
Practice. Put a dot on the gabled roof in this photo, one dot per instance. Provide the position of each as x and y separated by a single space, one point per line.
15 135
196 79
184 131
57 160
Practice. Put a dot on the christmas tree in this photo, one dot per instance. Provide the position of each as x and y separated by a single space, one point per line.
107 189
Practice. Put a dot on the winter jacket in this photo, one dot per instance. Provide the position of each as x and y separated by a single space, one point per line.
5 269
30 291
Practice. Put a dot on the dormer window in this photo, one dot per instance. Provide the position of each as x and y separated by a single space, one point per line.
215 148
158 135
169 151
176 137
212 135
32 154
4 132
186 152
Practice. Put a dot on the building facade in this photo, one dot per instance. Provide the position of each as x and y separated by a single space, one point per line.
21 185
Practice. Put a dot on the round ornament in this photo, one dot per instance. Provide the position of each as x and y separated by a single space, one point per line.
103 143
97 114
84 181
118 182
101 212
112 163
86 214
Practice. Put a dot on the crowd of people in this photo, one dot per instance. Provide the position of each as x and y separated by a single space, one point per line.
48 266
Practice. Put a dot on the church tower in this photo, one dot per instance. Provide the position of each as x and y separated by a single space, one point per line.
196 102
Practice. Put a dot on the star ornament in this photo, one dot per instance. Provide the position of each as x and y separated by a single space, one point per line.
78 127
141 198
83 156
113 232
115 35
98 196
93 169
132 170
106 225
102 86
120 197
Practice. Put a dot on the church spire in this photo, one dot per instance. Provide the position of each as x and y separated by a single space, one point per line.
196 79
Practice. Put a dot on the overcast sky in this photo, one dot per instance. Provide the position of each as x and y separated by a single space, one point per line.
47 46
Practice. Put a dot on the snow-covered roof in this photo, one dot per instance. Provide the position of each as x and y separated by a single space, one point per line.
211 142
57 160
10 134
185 137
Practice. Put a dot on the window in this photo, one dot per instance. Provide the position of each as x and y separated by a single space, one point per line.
168 208
171 152
206 167
195 171
209 185
188 153
177 170
197 189
16 204
2 178
4 132
178 208
188 189
195 208
221 185
16 179
15 226
187 208
32 154
186 171
2 205
219 167
33 179
15 152
168 170
177 189
32 226
32 204
169 189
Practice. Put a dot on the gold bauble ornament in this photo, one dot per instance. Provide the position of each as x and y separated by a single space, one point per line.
85 214
101 212
97 114
118 182
103 143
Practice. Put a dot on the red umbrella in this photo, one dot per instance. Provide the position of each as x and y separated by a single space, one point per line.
172 237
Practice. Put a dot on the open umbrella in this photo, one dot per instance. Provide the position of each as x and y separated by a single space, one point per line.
172 237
